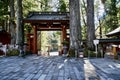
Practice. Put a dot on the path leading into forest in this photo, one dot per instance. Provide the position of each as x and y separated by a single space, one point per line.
35 67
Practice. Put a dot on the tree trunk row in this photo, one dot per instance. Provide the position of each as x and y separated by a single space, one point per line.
90 24
75 25
19 29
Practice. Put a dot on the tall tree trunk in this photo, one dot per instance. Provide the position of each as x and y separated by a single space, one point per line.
90 24
19 29
12 24
75 25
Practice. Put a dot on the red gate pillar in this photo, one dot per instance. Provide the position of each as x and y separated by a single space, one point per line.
35 40
63 33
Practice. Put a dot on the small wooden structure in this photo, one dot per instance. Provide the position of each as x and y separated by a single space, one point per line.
46 21
5 37
114 41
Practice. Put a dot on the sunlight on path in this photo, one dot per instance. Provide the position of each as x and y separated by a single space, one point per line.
90 71
54 54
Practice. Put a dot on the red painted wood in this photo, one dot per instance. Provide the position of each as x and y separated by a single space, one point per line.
35 40
5 37
63 33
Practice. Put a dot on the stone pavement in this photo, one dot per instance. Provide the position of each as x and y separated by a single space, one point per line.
107 68
35 67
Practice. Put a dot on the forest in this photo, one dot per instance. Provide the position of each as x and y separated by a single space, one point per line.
89 19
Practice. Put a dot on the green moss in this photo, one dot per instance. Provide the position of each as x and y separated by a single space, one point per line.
71 53
13 52
89 53
85 52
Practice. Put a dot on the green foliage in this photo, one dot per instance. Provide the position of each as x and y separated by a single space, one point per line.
111 18
4 9
51 38
29 5
62 6
85 52
13 52
44 40
112 11
54 41
91 54
27 28
84 32
83 21
44 5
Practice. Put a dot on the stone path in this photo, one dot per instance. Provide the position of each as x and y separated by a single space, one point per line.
58 68
107 68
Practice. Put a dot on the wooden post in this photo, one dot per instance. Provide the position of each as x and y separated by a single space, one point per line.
35 40
63 33
48 50
115 52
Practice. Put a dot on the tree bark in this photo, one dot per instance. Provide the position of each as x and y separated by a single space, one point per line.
90 24
19 29
12 23
75 25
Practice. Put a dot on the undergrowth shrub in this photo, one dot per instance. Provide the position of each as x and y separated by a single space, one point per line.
13 52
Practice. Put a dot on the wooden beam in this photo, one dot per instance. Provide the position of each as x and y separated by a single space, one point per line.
49 29
41 21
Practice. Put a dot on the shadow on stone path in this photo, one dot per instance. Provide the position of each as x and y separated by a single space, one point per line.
35 67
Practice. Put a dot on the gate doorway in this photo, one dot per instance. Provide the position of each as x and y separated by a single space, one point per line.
46 21
49 43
